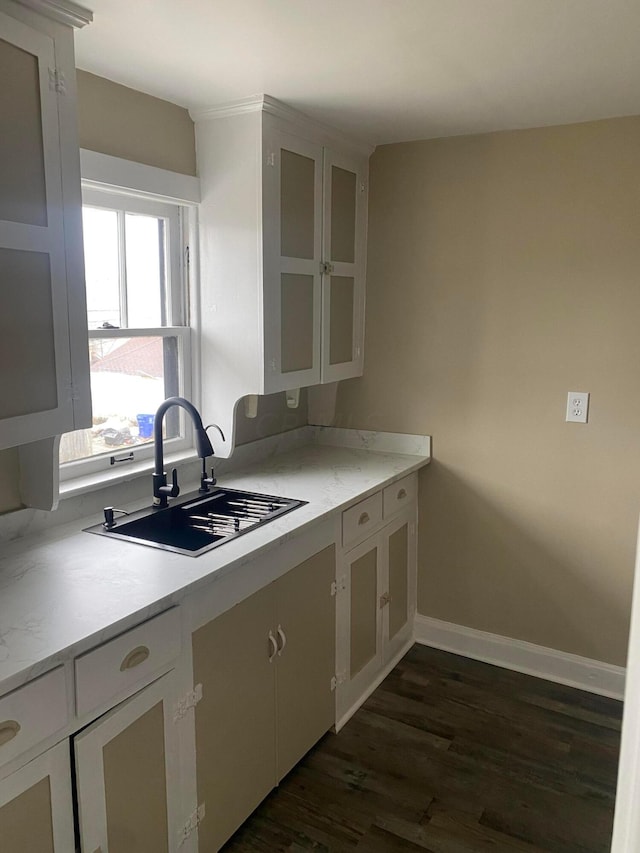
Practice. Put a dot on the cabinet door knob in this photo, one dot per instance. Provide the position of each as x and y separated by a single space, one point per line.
8 730
402 493
364 518
135 658
283 639
274 646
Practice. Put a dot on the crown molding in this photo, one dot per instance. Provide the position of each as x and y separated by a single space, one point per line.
252 104
274 107
63 11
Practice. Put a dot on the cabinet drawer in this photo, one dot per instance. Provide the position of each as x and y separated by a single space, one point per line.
32 713
127 662
399 495
361 520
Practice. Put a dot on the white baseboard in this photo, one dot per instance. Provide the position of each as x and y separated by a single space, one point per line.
374 684
562 667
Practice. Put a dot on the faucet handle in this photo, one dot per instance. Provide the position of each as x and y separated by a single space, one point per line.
160 489
216 427
174 490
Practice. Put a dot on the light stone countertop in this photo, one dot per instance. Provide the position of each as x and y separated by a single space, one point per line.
64 591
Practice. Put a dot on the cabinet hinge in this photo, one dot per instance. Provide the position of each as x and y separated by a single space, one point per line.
194 821
326 268
338 585
272 365
338 678
187 702
271 158
57 82
358 351
363 187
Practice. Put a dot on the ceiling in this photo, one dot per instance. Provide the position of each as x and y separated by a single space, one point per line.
382 70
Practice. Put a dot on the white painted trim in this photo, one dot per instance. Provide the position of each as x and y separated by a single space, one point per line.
271 105
251 104
626 823
101 171
62 11
384 672
551 664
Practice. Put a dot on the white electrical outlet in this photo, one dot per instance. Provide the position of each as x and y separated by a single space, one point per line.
577 406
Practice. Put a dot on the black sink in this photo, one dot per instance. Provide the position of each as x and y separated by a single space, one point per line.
199 522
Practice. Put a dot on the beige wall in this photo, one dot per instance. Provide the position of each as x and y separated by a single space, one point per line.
116 120
504 271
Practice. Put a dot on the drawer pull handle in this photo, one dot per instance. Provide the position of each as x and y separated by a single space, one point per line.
402 493
135 658
283 639
364 518
274 646
8 730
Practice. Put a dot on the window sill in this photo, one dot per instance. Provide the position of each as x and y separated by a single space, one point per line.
127 471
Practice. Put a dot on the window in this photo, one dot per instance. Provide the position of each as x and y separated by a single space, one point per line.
138 334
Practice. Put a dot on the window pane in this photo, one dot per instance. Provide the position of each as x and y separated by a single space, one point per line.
101 266
144 237
130 377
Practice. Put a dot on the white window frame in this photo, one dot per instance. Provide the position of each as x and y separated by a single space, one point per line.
111 182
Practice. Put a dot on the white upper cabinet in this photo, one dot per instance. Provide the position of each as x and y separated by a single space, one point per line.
283 253
44 378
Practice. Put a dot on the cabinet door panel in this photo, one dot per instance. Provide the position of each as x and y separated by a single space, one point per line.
36 810
344 248
343 214
25 339
297 205
135 786
292 247
235 720
128 775
398 579
22 174
342 319
306 664
297 318
26 822
400 558
364 610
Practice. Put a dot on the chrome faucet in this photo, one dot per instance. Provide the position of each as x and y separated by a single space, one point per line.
161 491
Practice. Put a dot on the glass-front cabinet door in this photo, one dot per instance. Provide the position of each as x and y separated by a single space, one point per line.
292 229
36 398
344 238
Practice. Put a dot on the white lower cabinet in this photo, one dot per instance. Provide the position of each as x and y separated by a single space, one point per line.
128 775
376 606
266 668
36 807
216 722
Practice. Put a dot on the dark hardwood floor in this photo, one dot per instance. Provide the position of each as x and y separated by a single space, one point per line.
452 756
